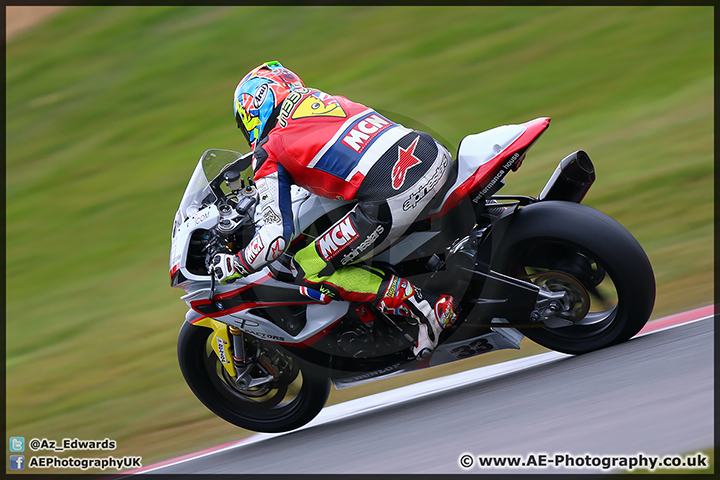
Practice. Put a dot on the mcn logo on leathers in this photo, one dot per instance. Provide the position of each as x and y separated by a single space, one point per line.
340 235
362 134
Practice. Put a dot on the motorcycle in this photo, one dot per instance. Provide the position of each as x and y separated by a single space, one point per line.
263 356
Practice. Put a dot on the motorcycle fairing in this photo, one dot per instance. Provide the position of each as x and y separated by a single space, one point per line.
204 218
234 306
484 158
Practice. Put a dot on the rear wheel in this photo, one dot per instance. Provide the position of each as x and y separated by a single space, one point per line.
606 276
292 394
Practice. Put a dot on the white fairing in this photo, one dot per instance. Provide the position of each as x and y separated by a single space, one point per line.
206 219
318 317
478 149
306 209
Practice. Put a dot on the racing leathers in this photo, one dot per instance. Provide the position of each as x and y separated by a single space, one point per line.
340 149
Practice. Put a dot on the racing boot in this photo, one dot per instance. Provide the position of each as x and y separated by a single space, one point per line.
431 312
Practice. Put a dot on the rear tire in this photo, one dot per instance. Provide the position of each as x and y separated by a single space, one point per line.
572 244
291 404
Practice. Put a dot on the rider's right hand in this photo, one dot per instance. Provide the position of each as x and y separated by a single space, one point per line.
227 268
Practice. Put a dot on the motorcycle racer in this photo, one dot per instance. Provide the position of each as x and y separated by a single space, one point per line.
338 149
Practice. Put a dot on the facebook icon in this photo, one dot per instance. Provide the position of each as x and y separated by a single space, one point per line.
17 462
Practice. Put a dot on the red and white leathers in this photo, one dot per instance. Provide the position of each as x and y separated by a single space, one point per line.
340 149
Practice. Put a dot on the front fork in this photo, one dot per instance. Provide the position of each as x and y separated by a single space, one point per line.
244 379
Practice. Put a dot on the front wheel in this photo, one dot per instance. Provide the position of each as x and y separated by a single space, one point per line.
292 399
606 276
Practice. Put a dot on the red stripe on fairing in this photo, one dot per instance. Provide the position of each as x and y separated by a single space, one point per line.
248 306
174 269
533 130
232 293
242 306
251 305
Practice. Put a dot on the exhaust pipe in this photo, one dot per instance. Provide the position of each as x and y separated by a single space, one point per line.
571 180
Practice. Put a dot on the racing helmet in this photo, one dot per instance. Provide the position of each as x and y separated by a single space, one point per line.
258 98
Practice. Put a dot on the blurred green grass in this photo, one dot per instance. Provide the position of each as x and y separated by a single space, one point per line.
108 108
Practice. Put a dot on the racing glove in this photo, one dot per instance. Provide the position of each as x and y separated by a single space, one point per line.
227 268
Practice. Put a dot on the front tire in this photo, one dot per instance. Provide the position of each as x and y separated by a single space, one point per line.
294 400
574 248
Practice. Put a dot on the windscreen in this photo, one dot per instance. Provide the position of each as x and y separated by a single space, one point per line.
212 163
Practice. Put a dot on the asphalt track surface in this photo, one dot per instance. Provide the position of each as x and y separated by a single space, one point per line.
652 395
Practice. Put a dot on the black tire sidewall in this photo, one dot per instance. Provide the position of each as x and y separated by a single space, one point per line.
602 238
313 395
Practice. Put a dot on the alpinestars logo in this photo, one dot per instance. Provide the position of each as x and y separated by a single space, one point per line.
339 236
363 246
276 248
416 196
406 160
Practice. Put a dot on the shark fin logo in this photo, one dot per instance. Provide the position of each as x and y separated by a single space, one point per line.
319 105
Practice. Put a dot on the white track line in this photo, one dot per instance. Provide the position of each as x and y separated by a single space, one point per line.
400 395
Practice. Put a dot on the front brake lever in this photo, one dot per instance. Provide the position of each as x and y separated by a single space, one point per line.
212 283
211 249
